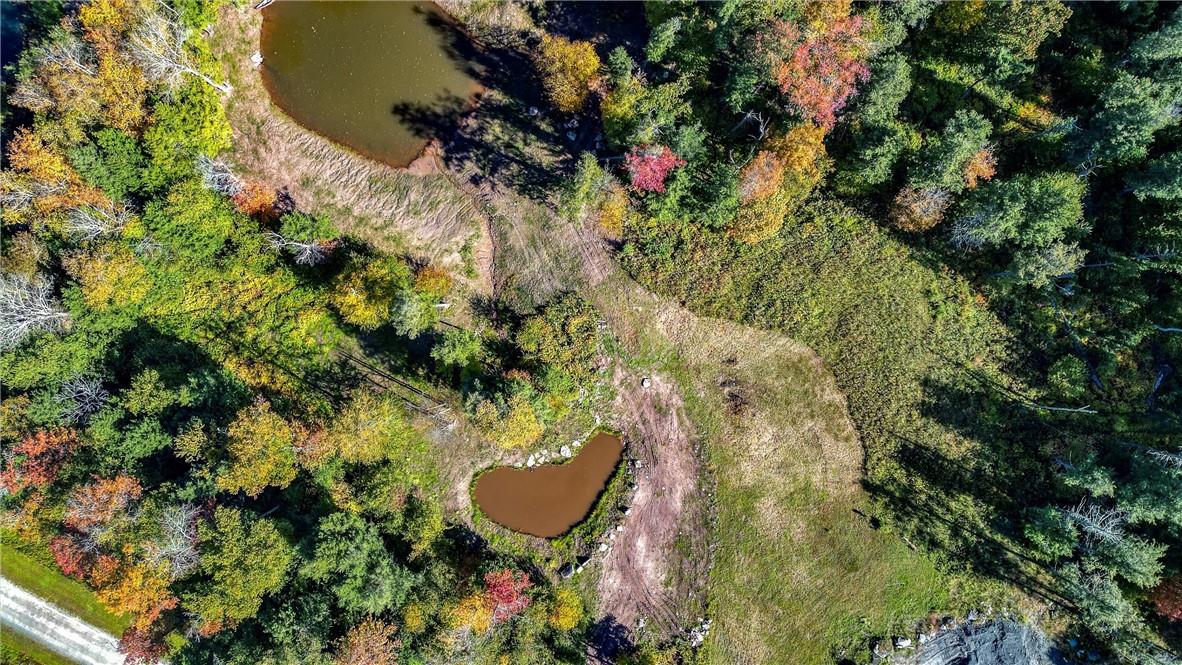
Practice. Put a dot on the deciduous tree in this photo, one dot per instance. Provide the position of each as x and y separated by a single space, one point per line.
141 590
38 458
818 66
566 610
96 504
370 642
649 166
243 558
569 69
261 445
504 593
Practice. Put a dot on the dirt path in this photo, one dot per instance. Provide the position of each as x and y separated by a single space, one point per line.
648 574
62 633
766 404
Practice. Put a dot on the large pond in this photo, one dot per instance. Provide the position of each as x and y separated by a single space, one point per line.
546 501
355 71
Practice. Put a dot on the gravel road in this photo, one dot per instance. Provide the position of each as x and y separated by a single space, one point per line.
22 612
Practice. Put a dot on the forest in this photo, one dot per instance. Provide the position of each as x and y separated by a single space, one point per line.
222 406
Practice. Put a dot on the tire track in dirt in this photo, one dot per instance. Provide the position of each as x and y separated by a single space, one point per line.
665 508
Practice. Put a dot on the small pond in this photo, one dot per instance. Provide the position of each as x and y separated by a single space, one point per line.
355 72
548 500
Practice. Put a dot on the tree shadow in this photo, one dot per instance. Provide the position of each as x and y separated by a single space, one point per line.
607 640
606 24
504 134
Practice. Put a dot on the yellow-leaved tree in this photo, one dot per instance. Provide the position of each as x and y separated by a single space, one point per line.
566 611
569 70
516 426
262 451
777 180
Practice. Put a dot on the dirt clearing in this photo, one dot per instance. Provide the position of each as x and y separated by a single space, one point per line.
656 568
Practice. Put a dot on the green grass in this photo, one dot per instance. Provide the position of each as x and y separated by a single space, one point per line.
16 649
798 576
29 569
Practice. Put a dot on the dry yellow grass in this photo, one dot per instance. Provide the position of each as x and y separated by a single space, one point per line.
395 210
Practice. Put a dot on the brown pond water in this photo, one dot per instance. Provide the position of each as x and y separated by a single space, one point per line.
548 500
341 69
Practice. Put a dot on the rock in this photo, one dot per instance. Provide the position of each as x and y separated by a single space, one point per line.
902 643
999 642
646 382
602 547
256 59
627 511
620 528
530 461
533 110
611 536
972 615
570 136
565 451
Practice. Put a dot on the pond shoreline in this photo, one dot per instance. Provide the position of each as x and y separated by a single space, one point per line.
380 80
557 485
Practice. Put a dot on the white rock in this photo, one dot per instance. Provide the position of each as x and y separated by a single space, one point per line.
611 536
646 382
620 528
565 451
256 59
530 461
602 547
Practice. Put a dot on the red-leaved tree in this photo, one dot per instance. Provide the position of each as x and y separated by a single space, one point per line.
143 646
38 458
650 165
1167 598
504 592
71 557
819 66
96 504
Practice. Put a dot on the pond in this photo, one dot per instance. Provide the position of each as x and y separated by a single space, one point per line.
341 69
546 501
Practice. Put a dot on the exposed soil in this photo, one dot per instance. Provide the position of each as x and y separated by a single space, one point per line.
657 565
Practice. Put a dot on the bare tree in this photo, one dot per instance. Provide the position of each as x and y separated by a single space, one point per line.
310 253
1099 524
20 193
69 53
217 176
27 307
82 396
90 222
177 545
1167 458
158 44
147 246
